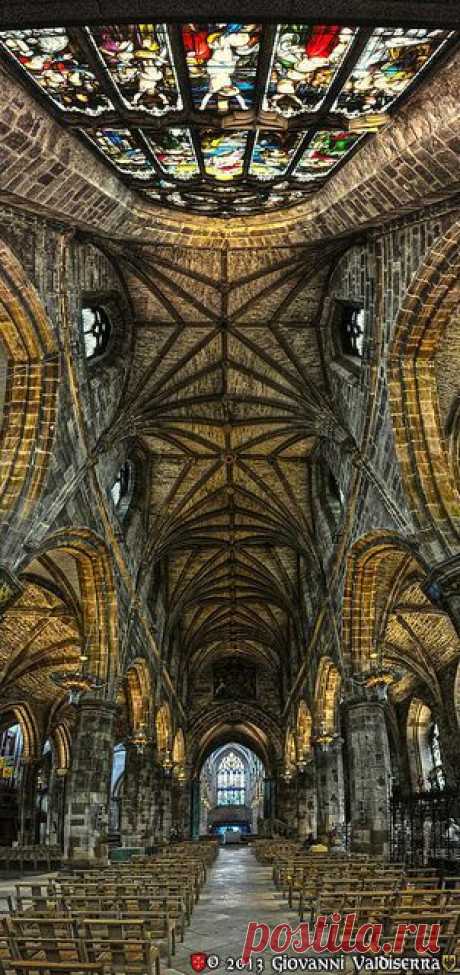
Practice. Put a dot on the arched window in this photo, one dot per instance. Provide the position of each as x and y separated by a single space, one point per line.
350 329
116 781
231 781
122 488
97 330
11 747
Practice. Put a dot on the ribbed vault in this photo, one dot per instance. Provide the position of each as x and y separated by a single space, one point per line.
229 396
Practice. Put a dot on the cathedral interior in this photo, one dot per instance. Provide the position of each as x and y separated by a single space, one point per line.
229 467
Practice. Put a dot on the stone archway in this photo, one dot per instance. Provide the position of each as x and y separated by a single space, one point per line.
32 371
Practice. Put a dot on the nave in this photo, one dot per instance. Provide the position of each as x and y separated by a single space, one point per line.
229 466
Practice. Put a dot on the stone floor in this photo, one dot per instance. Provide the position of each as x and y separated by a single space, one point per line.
238 890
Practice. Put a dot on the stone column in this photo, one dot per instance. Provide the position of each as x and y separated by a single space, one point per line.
180 813
27 801
307 811
287 803
56 807
330 788
139 798
369 767
88 793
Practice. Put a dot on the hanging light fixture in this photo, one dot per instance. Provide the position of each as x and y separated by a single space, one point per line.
139 738
325 738
77 682
167 764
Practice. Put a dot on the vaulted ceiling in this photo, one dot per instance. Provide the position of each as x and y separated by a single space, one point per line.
229 396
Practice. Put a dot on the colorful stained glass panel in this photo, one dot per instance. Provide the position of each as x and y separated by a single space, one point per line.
390 61
174 151
119 146
57 65
326 150
223 154
305 62
139 59
273 152
222 64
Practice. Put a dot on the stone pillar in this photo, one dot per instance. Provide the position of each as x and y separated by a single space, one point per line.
56 807
330 788
369 767
139 798
307 811
181 811
287 803
88 793
27 801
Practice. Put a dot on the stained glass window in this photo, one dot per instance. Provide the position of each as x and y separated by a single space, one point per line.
305 61
222 64
139 60
119 147
388 64
326 150
225 119
231 781
55 63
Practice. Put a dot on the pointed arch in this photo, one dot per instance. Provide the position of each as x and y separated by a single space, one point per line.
375 566
99 603
139 693
32 372
304 727
178 753
327 697
23 714
163 727
431 299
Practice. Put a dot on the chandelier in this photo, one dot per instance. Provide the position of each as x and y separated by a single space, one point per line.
139 738
77 682
167 763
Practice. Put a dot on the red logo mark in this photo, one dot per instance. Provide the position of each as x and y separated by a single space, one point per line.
198 961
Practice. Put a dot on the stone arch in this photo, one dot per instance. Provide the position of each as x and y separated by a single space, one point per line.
32 373
139 693
99 606
23 714
304 730
163 726
327 697
375 566
178 752
290 749
61 740
420 722
430 301
457 693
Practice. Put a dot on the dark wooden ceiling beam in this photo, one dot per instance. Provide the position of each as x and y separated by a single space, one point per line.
49 13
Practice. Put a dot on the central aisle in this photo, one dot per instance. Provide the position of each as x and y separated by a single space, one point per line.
238 890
